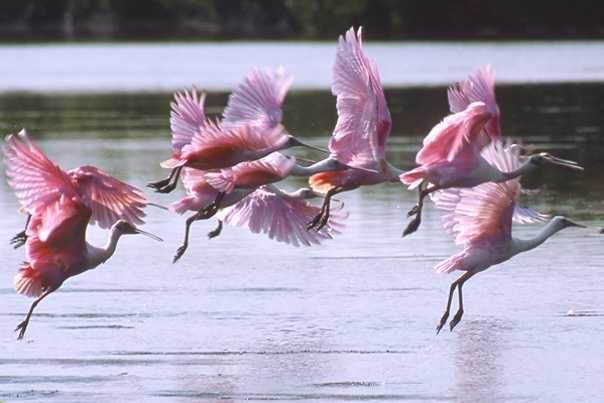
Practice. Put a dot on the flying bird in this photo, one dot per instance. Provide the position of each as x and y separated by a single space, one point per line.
61 205
250 129
451 157
480 219
362 129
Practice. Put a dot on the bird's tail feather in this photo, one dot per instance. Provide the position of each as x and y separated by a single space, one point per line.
29 281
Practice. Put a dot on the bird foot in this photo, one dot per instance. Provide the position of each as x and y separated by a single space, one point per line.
159 184
442 322
214 233
21 327
318 222
412 226
314 222
19 239
413 211
166 189
456 319
179 252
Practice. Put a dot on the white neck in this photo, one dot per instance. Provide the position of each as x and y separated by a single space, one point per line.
525 168
328 164
97 256
522 245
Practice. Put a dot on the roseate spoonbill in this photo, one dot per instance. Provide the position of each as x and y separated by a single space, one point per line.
230 185
480 219
363 127
117 201
250 129
451 157
62 204
282 216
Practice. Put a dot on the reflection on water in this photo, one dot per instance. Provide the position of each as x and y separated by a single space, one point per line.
244 318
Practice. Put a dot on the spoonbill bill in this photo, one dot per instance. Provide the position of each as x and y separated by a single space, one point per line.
61 205
480 219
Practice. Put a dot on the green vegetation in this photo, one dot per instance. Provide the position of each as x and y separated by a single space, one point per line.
293 19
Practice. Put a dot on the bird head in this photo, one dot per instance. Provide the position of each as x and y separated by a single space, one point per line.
563 222
124 227
546 158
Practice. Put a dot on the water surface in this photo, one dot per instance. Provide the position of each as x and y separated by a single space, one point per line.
245 318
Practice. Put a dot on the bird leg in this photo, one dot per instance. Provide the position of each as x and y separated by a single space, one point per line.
203 214
454 284
20 239
167 185
23 325
216 231
417 210
457 318
420 189
322 218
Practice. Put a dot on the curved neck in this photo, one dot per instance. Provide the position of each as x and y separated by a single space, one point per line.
522 245
97 256
328 164
392 171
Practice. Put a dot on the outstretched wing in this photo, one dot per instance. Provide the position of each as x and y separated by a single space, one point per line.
455 135
36 180
364 120
187 117
479 87
109 199
282 218
484 212
258 99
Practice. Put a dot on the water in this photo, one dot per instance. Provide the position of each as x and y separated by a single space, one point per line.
136 66
243 318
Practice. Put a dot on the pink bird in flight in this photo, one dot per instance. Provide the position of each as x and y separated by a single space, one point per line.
480 219
451 152
250 129
61 205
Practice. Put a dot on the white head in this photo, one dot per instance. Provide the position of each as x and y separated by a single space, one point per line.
560 223
546 158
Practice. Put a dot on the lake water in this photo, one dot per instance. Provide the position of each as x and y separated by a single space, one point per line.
243 318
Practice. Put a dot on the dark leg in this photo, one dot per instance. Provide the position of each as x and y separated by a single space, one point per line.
414 224
216 231
457 318
204 214
454 284
322 218
20 239
169 184
23 325
420 189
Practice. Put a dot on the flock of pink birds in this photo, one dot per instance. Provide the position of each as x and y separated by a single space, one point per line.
230 167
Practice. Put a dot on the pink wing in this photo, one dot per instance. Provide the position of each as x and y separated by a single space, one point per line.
108 198
258 99
243 137
455 136
192 179
187 117
364 120
479 87
484 212
37 181
282 218
269 169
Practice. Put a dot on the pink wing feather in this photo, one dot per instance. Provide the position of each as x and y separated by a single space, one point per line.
455 135
36 180
269 169
364 121
282 218
187 117
258 99
110 199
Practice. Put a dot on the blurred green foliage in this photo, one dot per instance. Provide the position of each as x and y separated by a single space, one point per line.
290 19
